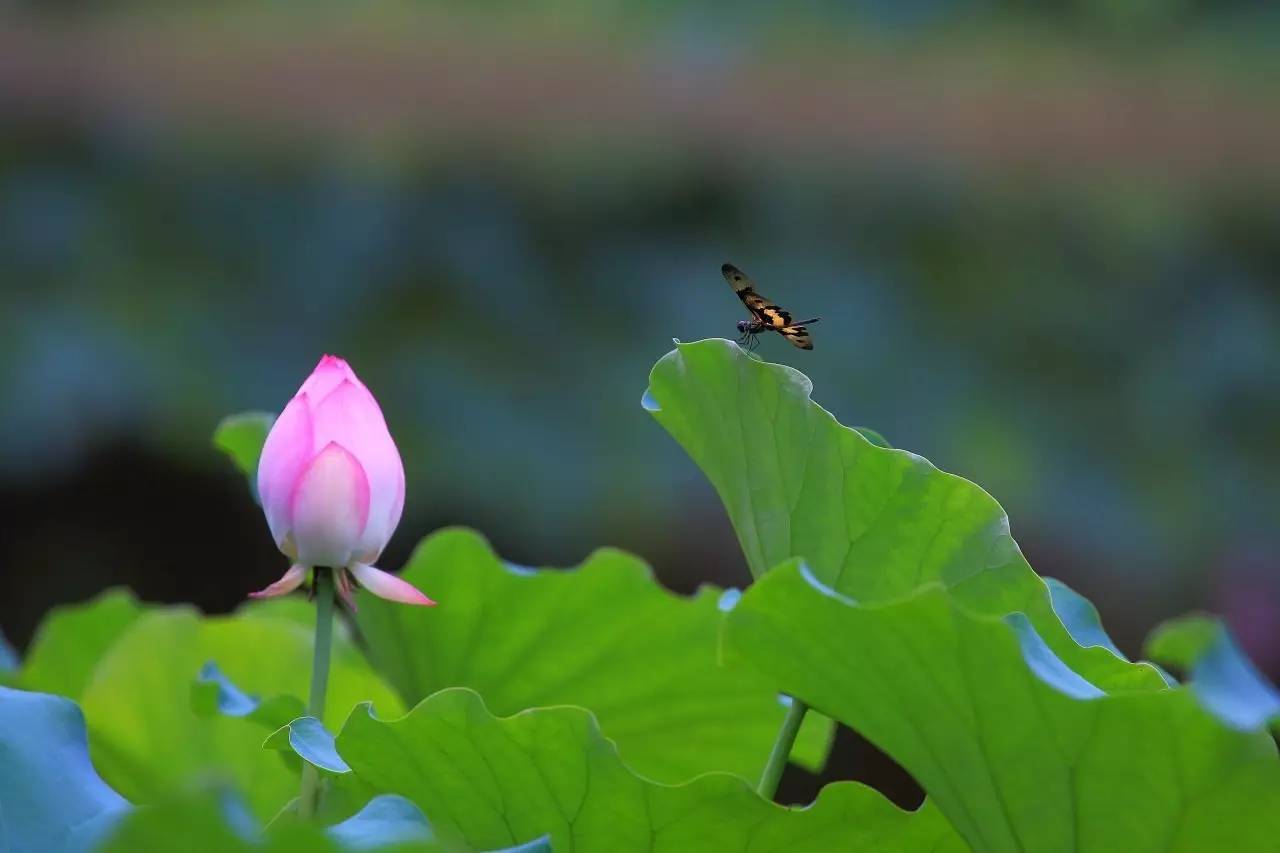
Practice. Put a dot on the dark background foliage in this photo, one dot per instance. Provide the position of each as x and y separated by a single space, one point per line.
1043 243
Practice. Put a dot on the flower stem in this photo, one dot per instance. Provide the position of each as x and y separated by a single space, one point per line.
309 798
781 749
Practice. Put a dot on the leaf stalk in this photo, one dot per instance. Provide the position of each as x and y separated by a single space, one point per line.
781 751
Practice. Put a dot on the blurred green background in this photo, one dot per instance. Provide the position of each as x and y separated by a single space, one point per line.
1044 240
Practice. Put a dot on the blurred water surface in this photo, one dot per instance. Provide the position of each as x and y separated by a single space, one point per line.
1044 248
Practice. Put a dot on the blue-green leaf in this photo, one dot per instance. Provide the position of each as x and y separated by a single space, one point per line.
308 737
386 819
1080 617
1047 666
212 692
1230 686
538 845
9 660
1223 678
51 798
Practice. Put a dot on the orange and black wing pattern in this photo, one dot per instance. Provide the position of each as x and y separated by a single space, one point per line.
762 309
798 335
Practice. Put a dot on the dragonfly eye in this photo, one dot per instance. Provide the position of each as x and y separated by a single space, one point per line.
742 325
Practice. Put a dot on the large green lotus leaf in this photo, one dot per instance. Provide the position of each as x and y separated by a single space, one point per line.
145 735
603 636
51 798
293 608
874 523
72 638
1019 751
502 781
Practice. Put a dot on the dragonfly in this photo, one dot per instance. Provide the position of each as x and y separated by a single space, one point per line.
765 315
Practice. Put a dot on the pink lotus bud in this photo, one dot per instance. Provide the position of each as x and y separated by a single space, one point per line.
332 484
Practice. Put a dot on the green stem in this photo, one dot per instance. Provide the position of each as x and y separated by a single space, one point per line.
309 799
781 749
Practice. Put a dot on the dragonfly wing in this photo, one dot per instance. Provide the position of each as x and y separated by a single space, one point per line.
798 335
762 309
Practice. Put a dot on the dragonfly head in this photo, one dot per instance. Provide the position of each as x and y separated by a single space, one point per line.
744 326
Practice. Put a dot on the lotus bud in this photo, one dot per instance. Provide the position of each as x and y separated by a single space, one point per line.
332 485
